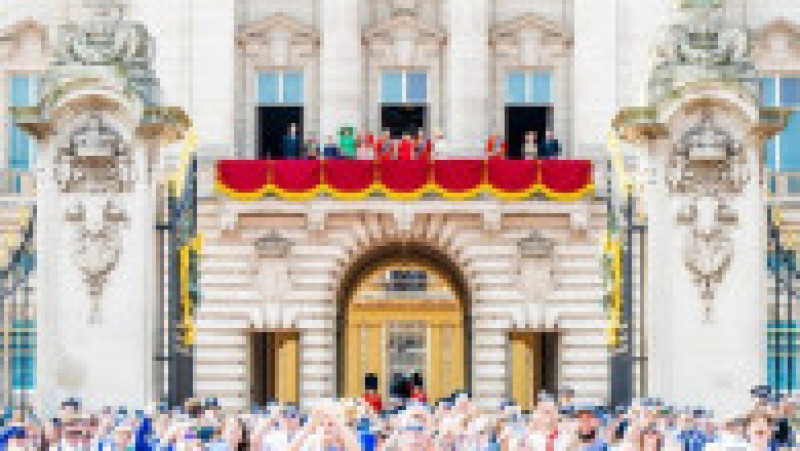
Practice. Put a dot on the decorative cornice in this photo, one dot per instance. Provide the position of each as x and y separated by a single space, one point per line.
404 21
260 31
511 29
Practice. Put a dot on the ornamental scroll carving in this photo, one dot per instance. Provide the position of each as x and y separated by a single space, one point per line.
707 167
95 163
97 238
535 275
272 276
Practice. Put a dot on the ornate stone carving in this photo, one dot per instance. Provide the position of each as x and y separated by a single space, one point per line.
272 276
535 273
98 245
96 159
708 165
702 47
272 245
102 47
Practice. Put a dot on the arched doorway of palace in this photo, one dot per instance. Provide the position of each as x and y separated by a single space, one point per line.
403 309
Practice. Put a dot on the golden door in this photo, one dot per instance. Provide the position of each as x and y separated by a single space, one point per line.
435 332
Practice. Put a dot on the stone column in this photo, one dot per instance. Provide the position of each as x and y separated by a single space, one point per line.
594 71
213 63
340 66
467 89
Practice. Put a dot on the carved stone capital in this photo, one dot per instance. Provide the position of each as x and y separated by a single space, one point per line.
536 246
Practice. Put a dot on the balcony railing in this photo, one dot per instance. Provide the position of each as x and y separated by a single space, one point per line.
17 183
784 184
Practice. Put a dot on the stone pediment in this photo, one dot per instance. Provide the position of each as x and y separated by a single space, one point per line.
15 33
278 24
781 30
404 23
511 30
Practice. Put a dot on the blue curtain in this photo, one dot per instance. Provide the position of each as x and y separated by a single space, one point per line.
790 91
293 87
417 87
392 86
790 144
541 87
267 88
515 87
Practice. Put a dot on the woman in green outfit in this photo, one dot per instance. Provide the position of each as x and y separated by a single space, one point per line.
347 143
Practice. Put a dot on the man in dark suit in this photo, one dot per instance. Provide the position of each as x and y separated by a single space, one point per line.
551 148
291 144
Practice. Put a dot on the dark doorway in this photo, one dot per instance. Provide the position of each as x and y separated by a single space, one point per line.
533 365
273 124
262 368
522 119
400 119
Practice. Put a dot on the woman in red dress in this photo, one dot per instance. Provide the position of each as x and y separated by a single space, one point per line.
406 149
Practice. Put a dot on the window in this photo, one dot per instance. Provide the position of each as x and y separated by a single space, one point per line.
23 354
781 355
280 87
529 87
780 153
23 91
404 86
407 280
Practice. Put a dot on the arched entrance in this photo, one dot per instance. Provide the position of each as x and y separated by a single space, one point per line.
403 309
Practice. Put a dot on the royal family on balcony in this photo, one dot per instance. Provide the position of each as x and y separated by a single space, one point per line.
352 145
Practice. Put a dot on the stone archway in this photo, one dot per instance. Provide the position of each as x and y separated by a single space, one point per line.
443 324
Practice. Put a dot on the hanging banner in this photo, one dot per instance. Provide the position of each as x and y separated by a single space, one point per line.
405 179
512 179
458 179
349 179
565 179
296 179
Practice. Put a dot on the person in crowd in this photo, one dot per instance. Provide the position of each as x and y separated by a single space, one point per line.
417 389
688 435
330 151
440 147
530 148
405 151
550 147
347 143
423 146
311 150
291 144
371 396
365 147
382 146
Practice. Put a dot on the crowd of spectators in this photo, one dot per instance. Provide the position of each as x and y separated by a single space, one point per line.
454 423
351 145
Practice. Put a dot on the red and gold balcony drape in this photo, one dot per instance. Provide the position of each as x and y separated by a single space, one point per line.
404 179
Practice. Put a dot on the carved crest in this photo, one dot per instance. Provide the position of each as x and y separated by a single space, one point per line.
708 166
95 160
702 47
272 245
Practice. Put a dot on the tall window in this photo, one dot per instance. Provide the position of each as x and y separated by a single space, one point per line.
23 91
23 354
529 87
280 86
781 153
404 86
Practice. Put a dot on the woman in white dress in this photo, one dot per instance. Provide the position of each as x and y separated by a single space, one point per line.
441 148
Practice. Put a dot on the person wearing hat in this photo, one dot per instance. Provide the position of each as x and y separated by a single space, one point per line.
371 396
566 401
417 390
440 148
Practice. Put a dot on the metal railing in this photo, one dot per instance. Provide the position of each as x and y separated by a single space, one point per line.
17 314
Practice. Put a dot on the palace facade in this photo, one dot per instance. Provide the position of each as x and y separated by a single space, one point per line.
307 283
